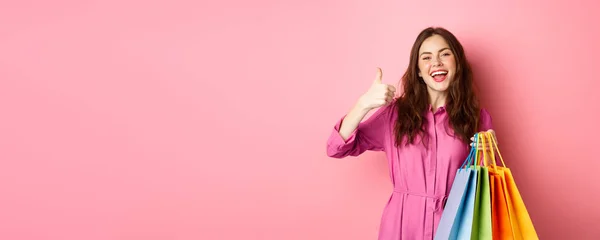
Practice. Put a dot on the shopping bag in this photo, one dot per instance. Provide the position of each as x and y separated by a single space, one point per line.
482 214
465 213
501 225
482 220
520 221
457 216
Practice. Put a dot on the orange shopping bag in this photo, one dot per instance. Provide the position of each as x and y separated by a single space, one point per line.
520 221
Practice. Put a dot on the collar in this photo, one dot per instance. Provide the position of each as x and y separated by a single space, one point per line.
440 109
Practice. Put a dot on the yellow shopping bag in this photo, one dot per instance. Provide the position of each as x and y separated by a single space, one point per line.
510 219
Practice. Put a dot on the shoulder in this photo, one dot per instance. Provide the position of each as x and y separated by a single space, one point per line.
484 114
485 120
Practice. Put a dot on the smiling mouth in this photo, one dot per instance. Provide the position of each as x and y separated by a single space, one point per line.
439 76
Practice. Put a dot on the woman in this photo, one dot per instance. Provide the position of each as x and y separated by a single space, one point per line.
425 133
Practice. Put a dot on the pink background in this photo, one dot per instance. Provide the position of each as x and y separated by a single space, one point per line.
186 120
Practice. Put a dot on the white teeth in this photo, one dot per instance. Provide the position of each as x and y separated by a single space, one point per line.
438 73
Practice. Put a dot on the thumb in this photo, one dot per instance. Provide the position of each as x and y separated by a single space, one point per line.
378 76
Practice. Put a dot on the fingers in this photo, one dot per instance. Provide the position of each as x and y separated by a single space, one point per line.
391 91
379 76
488 145
391 88
481 146
388 92
384 100
388 98
492 133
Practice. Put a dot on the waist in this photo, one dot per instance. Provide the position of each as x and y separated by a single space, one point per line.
439 200
425 195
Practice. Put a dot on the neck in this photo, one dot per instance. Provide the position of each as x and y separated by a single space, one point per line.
437 99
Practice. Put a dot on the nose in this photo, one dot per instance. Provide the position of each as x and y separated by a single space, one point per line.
436 62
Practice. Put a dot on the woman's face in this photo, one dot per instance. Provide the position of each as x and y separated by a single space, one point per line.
437 65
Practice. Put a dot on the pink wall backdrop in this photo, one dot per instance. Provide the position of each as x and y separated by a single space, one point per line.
208 120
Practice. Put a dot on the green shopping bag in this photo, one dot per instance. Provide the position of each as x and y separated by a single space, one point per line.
482 214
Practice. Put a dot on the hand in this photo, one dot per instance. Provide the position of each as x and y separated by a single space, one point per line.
488 143
379 94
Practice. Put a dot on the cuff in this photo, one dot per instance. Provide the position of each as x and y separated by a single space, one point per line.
336 143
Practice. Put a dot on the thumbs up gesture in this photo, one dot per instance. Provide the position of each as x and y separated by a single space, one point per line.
379 94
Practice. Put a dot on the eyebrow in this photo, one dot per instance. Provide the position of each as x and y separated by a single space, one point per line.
430 52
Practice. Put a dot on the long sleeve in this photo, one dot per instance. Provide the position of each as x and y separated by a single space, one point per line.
369 135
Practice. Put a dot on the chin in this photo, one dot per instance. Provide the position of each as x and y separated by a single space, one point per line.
439 86
440 89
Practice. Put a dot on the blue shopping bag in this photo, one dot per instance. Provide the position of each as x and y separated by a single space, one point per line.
457 217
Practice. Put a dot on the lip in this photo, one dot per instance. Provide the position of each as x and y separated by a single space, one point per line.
441 69
440 80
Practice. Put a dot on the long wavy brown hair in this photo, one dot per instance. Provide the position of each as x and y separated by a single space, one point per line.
462 104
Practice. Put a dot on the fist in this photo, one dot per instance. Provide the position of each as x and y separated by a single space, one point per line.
488 135
379 94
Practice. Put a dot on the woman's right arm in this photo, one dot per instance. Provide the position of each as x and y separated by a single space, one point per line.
351 120
350 135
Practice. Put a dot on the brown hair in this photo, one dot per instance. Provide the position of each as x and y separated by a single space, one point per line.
462 104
